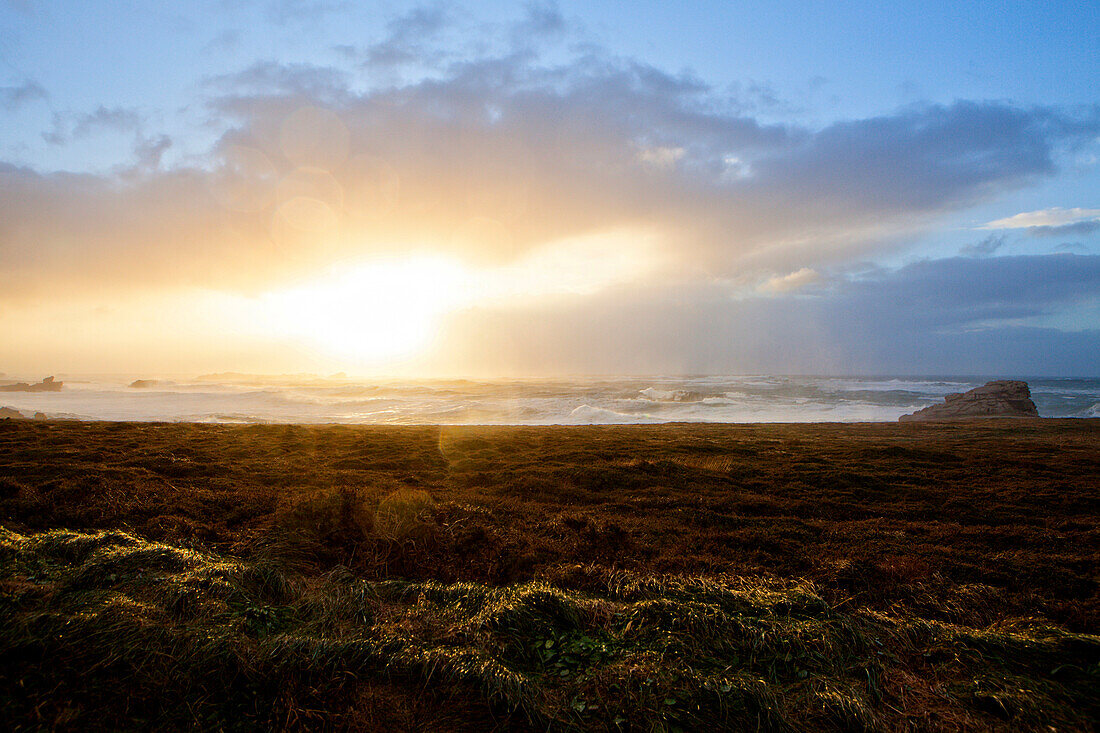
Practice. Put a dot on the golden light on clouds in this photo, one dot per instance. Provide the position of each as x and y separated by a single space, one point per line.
314 137
377 310
245 181
456 225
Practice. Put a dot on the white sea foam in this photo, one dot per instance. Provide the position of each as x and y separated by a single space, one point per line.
589 415
604 400
671 395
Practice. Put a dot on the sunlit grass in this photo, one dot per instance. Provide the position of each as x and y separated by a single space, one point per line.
240 644
644 578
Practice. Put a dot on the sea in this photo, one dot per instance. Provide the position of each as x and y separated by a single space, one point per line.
238 398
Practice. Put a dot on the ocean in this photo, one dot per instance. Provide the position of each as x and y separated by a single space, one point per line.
576 401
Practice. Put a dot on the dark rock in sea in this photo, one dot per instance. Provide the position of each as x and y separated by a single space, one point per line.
46 385
40 416
144 383
10 413
1001 398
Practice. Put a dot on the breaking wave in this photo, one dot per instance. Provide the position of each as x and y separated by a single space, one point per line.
605 400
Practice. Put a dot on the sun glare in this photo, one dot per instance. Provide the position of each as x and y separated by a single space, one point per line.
380 310
371 312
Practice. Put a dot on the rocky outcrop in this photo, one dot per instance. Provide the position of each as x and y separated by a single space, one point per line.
1002 398
9 413
46 385
144 383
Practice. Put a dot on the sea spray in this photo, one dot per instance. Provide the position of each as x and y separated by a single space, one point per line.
603 400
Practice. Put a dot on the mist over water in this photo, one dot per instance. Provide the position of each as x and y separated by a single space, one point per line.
577 401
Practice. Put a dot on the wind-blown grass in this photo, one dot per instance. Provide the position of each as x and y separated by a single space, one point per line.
201 639
691 577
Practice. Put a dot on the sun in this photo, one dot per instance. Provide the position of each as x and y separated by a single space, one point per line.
381 310
373 311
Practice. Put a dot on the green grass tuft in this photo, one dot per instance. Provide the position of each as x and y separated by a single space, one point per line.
206 640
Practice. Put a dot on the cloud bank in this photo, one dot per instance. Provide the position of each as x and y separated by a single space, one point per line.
495 157
947 316
502 156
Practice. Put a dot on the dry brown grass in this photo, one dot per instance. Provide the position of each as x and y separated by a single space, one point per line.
968 548
406 515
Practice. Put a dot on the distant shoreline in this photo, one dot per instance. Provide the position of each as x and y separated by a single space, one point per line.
977 422
650 400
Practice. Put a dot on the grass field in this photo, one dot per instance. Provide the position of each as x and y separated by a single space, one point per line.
674 577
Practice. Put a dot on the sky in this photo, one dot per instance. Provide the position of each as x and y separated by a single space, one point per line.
507 189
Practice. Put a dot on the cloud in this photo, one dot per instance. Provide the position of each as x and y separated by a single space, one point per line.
986 247
926 157
226 40
1052 222
150 151
792 282
430 38
957 292
502 157
1047 218
264 79
542 21
947 316
1071 247
13 98
70 126
409 38
1077 228
492 158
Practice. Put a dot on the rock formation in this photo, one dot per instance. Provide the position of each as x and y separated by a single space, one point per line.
8 413
46 385
144 383
1001 398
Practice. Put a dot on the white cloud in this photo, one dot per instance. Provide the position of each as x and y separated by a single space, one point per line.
791 282
1053 217
661 157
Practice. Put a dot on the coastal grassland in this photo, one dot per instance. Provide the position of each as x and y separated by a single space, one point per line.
779 577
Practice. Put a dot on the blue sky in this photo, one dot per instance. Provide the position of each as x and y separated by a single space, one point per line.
816 61
787 158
